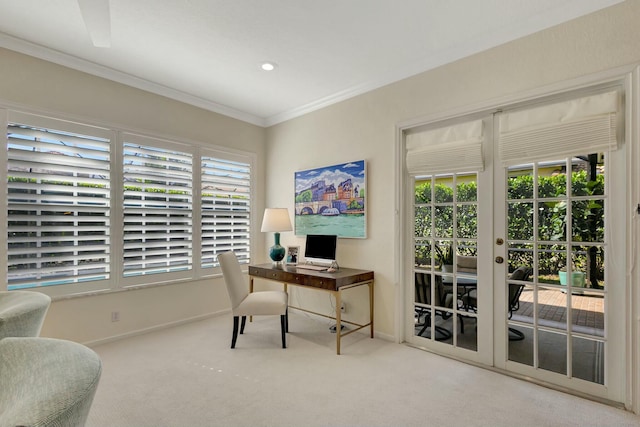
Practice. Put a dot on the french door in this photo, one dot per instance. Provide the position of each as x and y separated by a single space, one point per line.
564 318
445 274
521 265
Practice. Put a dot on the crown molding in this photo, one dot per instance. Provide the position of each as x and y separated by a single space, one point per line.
73 62
396 76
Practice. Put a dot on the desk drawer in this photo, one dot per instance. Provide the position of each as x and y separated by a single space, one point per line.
268 274
278 276
320 282
257 272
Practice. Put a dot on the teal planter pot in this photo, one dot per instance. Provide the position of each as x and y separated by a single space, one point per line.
577 278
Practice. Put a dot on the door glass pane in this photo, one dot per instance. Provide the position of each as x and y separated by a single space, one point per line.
423 255
520 349
422 191
552 179
520 303
422 217
587 220
444 221
588 175
552 351
556 225
444 189
441 300
467 188
467 247
446 247
551 259
520 221
422 308
587 313
520 182
551 220
552 308
467 337
522 308
588 266
588 359
467 221
429 309
519 254
444 255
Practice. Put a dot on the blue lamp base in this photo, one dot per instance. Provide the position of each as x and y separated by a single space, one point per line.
276 252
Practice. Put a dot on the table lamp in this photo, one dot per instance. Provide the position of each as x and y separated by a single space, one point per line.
277 220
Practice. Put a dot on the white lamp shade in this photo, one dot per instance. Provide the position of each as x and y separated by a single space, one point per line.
276 219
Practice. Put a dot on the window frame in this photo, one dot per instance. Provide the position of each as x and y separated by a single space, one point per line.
165 145
244 257
118 137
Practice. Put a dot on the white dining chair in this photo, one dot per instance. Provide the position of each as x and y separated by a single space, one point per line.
244 303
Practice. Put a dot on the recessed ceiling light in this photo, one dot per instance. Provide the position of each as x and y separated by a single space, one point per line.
268 66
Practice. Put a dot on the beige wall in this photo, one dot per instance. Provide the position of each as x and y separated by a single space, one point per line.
364 127
48 88
359 128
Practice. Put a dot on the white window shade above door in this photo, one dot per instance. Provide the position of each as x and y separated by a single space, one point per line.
456 148
583 125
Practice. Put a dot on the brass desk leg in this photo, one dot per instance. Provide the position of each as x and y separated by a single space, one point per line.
338 320
371 306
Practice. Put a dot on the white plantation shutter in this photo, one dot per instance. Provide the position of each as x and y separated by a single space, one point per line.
226 208
58 200
583 125
456 148
60 192
158 218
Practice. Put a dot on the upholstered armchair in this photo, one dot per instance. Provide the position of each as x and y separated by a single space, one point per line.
46 382
22 313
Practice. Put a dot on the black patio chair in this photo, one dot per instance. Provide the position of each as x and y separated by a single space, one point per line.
442 299
515 290
522 274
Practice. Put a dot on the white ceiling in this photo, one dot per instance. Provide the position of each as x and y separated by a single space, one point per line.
208 52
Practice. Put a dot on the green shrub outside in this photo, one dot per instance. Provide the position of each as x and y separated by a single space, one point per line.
587 225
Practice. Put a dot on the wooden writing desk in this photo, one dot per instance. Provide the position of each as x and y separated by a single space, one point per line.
335 283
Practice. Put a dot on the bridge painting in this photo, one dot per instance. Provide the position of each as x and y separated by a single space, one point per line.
331 200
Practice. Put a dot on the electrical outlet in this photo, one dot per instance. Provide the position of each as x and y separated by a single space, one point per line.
343 308
115 316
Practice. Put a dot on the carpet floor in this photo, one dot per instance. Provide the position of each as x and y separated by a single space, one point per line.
188 376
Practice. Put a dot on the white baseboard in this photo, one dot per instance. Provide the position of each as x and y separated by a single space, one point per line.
153 328
137 332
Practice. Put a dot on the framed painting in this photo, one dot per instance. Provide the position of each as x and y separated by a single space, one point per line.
332 200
